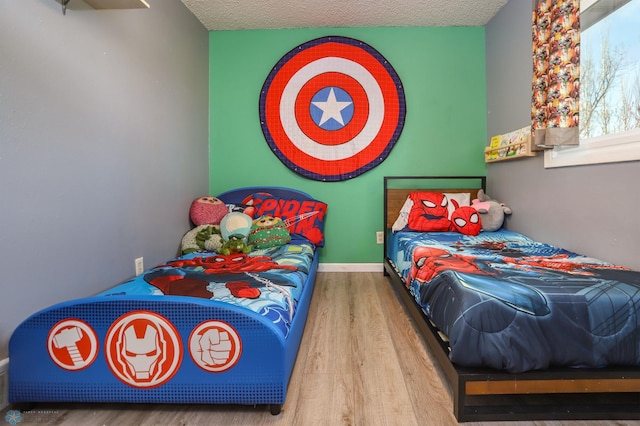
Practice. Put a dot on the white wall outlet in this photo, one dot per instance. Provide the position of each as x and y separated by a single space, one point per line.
379 237
4 383
139 265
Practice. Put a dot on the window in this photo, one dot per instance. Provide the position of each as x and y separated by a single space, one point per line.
609 86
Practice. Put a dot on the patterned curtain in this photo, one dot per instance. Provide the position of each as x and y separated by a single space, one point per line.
556 73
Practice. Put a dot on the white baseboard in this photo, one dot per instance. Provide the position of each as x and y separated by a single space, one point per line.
4 383
350 267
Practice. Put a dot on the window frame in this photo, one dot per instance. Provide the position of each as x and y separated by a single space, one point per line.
612 148
617 147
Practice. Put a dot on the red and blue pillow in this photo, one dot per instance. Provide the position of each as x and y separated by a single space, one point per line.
434 212
303 217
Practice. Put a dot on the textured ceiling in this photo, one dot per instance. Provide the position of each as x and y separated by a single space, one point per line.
276 14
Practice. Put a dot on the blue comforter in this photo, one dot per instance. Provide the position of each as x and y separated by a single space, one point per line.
267 281
507 302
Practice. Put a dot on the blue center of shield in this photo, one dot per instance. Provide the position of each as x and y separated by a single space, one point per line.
331 108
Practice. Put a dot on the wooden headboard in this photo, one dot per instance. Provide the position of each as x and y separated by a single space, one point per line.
395 193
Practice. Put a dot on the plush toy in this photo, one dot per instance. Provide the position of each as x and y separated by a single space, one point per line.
202 238
466 220
235 245
268 231
235 224
207 211
491 211
235 227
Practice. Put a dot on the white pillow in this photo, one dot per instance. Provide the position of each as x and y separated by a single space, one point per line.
462 198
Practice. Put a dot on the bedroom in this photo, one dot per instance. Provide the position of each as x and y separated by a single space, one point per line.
120 120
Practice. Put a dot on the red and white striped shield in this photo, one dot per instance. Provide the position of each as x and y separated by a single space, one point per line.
332 108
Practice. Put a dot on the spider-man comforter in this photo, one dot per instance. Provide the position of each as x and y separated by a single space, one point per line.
510 303
267 281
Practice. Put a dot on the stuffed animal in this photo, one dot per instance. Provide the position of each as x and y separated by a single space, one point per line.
235 245
235 224
202 238
207 211
235 227
268 231
466 220
491 211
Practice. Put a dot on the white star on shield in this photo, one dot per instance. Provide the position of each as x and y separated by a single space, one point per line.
331 108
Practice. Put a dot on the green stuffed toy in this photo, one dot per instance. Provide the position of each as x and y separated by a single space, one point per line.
235 245
202 238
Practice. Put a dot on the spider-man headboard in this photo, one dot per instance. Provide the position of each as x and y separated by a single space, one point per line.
304 215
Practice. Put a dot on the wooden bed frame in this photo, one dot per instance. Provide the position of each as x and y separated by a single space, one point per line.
489 395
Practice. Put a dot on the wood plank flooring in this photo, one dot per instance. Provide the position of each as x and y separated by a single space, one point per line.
360 363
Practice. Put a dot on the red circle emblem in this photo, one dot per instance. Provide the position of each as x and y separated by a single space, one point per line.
332 108
72 344
143 349
215 346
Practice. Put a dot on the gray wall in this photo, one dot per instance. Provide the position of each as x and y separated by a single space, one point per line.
591 209
103 146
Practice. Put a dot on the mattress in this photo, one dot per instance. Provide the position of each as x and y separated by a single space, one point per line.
505 301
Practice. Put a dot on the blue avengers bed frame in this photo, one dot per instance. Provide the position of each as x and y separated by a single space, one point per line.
259 376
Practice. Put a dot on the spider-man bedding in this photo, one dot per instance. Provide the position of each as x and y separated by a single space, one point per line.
201 328
267 281
507 302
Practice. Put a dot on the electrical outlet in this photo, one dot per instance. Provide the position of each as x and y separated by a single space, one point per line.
139 265
379 237
4 383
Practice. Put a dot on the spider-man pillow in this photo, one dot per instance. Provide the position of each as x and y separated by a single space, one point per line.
466 220
429 212
302 217
455 200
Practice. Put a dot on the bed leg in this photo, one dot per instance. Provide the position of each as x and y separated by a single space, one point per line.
22 406
275 409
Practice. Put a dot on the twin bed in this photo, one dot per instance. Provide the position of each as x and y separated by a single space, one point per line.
522 330
200 329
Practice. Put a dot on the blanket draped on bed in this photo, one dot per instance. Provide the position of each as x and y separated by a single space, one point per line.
507 302
267 281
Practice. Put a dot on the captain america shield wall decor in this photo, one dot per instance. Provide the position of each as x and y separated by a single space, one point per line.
332 108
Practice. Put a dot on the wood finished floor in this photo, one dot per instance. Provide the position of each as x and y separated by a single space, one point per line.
360 363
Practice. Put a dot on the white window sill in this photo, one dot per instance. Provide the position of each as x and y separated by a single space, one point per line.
604 149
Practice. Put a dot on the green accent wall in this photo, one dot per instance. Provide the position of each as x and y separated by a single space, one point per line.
443 73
